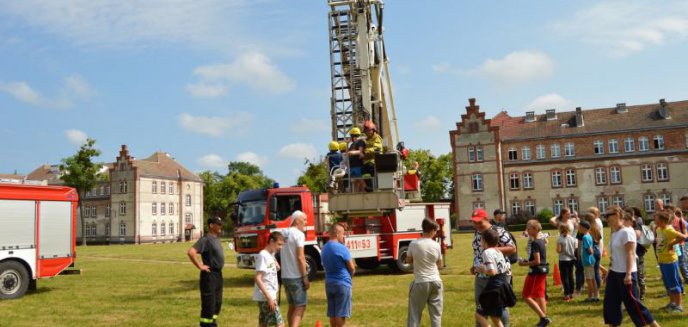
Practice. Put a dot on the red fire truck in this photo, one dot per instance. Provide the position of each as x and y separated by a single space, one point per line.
37 237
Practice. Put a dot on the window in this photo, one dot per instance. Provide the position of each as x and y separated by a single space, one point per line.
107 229
162 208
555 151
94 211
629 145
471 154
87 211
602 203
600 176
478 205
643 143
529 206
107 210
598 145
122 208
613 146
558 204
659 142
646 172
515 208
154 187
282 207
101 190
171 228
662 171
570 177
107 189
540 151
649 200
513 154
126 187
527 180
573 204
615 175
525 153
618 200
479 153
556 178
154 229
121 187
569 149
666 198
514 181
187 218
188 200
163 187
162 228
477 182
154 208
171 209
171 188
122 229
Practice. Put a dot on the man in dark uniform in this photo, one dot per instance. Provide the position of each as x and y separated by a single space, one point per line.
210 249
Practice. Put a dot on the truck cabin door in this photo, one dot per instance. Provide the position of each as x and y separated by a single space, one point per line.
282 206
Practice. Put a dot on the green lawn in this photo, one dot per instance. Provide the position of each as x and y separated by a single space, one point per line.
155 285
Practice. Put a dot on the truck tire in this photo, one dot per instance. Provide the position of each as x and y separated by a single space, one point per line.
367 263
14 280
400 265
311 267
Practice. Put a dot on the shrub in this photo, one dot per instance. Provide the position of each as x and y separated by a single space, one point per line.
544 215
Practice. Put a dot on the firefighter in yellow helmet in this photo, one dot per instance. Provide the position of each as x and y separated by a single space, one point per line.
334 158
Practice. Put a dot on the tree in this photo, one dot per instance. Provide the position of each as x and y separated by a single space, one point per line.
436 174
315 177
81 173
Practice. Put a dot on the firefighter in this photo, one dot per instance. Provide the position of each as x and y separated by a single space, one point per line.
343 147
334 157
373 145
212 254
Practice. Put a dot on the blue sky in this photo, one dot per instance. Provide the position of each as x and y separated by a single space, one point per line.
216 81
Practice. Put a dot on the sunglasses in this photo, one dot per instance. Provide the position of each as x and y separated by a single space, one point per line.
608 214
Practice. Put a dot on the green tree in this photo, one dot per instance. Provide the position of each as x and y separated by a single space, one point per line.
315 177
81 173
544 215
436 174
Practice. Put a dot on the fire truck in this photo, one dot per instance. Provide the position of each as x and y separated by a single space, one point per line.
38 235
382 220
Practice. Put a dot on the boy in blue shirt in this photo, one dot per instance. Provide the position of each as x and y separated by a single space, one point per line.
588 258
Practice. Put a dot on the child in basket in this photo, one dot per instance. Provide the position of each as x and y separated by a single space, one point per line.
498 293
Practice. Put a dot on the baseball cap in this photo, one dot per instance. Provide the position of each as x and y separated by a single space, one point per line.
479 214
216 221
499 212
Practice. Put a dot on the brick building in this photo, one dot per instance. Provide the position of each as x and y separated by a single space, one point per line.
624 155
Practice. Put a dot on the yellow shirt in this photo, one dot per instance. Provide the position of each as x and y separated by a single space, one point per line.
666 253
373 144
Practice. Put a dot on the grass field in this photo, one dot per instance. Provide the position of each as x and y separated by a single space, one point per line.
155 285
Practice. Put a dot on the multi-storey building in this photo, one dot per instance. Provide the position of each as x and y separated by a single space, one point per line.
624 155
149 200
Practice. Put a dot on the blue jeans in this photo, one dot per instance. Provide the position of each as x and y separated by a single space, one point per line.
580 275
683 263
597 270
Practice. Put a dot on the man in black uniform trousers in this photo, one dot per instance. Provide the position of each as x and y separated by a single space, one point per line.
210 249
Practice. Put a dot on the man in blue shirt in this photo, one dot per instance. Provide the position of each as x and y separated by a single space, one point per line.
339 268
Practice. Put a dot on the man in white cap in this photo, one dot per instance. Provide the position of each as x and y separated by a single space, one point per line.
294 273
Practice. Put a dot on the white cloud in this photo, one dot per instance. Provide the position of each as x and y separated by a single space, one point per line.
549 101
77 86
76 137
22 92
310 126
298 151
253 69
212 161
429 124
620 28
215 126
516 67
204 90
443 67
253 158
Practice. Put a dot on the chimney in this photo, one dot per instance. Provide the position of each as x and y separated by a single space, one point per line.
579 117
664 110
621 108
551 114
530 116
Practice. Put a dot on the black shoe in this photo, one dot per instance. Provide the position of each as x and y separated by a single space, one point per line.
544 322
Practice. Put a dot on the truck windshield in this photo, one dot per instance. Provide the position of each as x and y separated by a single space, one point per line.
251 212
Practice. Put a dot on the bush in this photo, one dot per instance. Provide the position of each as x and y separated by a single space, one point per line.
544 215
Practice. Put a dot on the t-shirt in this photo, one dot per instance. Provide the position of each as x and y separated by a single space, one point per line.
355 160
334 256
665 253
538 246
504 240
588 258
680 226
600 227
568 247
293 239
212 254
425 252
265 262
334 158
493 259
617 247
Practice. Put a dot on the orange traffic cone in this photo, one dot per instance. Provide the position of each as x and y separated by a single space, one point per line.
556 276
317 323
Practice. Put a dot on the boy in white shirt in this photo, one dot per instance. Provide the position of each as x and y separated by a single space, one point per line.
266 284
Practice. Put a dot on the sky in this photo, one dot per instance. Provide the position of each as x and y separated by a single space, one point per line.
214 81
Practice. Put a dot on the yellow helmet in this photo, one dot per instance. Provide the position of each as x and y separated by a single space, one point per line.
342 146
333 146
355 131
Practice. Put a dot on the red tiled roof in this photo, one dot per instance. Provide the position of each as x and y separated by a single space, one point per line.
11 176
161 165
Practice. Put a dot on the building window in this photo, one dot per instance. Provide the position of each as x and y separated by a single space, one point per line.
513 154
188 200
570 177
154 229
477 182
662 171
154 208
557 205
107 210
666 198
602 203
598 145
171 208
555 151
122 229
515 208
471 154
514 181
613 146
479 153
529 206
659 142
122 208
107 229
629 145
171 228
87 211
618 200
162 228
94 211
154 187
556 178
573 204
649 200
162 208
171 188
163 187
126 187
646 172
121 187
540 151
527 180
525 153
615 175
187 218
569 149
478 205
101 190
107 189
600 176
643 143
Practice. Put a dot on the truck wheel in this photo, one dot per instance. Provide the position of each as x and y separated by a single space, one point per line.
367 263
14 280
311 267
400 265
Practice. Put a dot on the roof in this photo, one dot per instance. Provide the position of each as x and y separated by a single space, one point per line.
11 176
601 120
46 172
161 165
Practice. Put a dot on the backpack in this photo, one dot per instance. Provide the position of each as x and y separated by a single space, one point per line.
647 237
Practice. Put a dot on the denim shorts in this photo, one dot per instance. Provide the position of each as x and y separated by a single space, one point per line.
338 300
355 172
296 291
671 278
